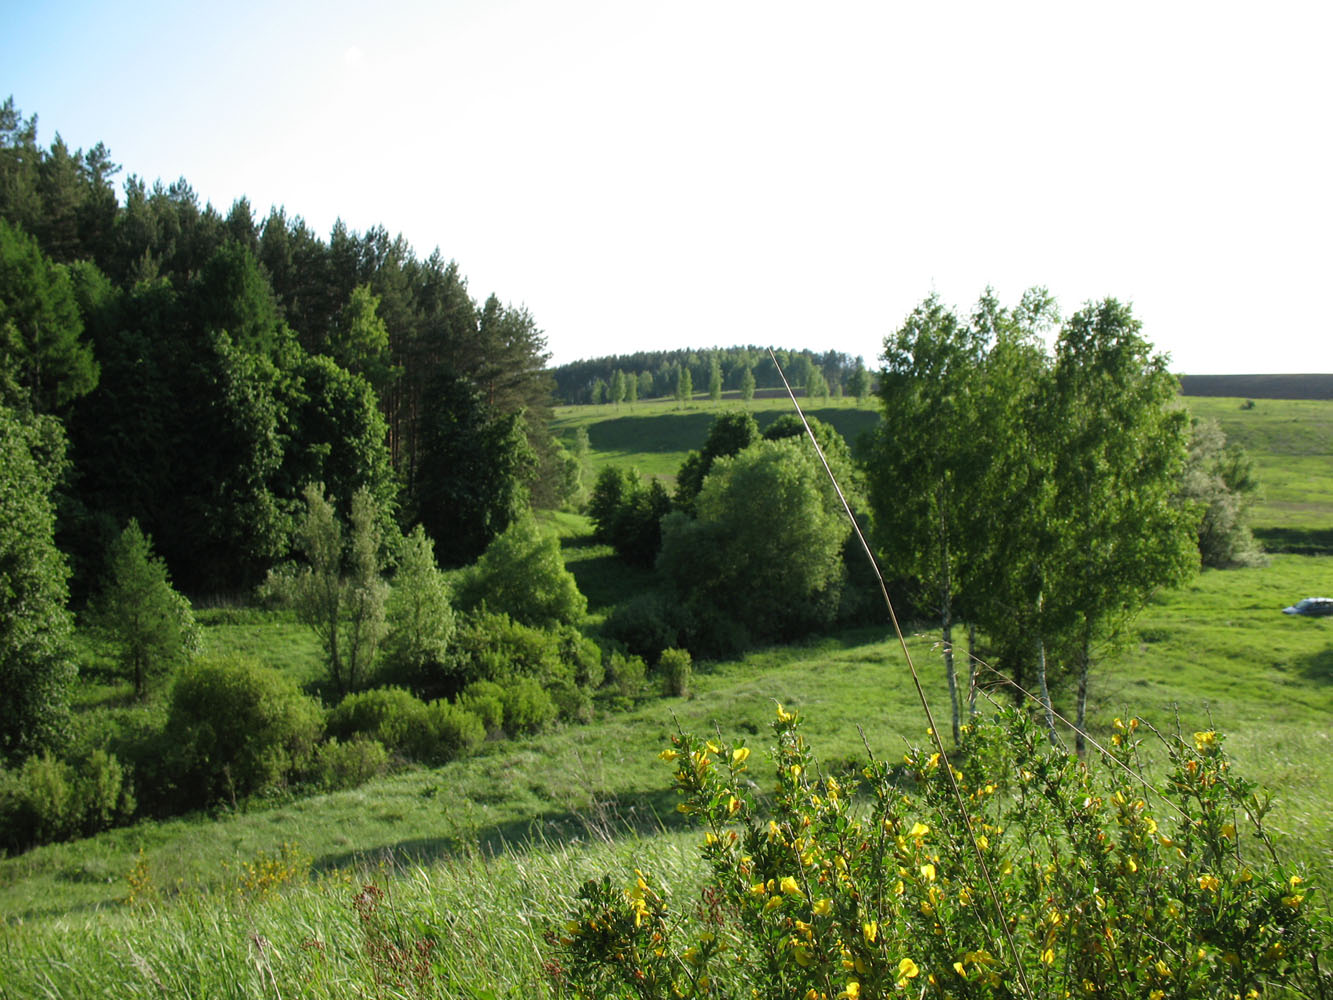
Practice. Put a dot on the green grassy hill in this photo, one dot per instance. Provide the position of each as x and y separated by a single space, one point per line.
483 856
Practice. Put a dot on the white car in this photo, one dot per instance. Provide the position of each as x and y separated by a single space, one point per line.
1311 606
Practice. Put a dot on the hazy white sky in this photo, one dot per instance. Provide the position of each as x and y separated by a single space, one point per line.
656 175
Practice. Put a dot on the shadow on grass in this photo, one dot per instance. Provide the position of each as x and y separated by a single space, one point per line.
634 815
1317 666
1296 541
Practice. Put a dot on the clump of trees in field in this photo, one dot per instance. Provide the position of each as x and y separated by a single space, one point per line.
1039 495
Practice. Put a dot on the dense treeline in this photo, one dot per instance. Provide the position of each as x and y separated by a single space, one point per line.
659 373
206 402
208 367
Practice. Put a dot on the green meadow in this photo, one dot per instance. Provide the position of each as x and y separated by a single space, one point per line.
483 856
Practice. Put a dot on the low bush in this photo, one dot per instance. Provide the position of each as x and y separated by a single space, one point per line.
674 666
1019 872
528 706
495 647
394 717
341 765
625 674
649 622
48 799
235 728
457 731
485 700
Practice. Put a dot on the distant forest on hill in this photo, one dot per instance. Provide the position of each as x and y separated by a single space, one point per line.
1259 386
659 371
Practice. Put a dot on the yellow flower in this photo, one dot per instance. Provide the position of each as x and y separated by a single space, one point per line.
733 805
1209 883
757 889
789 885
1048 956
740 755
823 907
918 830
958 968
783 715
802 956
852 992
1293 901
1205 739
908 969
870 931
928 872
668 755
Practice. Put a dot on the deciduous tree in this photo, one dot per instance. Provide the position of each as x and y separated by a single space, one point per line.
36 661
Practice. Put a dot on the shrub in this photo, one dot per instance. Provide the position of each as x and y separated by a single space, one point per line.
625 674
1101 886
236 728
394 717
456 730
47 799
674 666
649 622
485 700
528 706
347 765
496 647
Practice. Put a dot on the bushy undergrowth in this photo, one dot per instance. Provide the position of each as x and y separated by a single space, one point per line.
1016 871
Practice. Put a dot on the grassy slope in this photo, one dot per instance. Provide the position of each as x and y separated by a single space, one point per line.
655 435
1217 652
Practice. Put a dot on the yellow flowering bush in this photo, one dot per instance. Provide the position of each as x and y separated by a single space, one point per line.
1013 870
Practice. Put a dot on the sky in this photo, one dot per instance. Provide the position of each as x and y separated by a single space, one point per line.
646 176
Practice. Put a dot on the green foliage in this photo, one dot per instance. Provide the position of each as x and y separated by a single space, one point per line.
684 387
349 764
485 700
528 706
338 592
747 384
608 496
648 622
456 730
714 380
625 674
522 574
419 612
36 666
628 515
1219 480
150 625
820 893
730 433
48 799
858 382
765 551
675 667
474 464
391 716
41 332
235 728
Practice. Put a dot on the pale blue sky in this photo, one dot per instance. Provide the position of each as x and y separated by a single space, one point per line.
650 175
